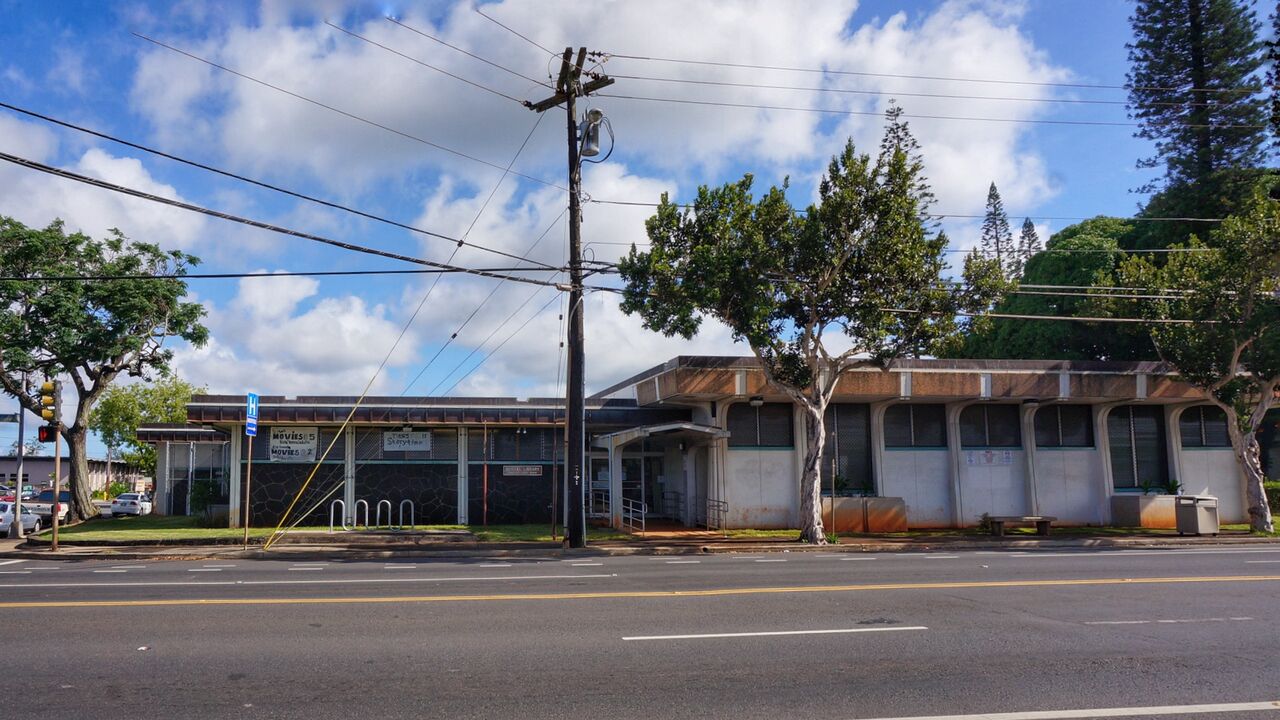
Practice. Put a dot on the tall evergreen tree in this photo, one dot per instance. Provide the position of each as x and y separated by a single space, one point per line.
1273 78
1193 87
1028 244
997 238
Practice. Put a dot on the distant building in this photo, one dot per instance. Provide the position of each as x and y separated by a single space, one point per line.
37 470
706 441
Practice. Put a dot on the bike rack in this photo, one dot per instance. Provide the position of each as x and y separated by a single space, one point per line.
355 519
342 517
378 514
411 516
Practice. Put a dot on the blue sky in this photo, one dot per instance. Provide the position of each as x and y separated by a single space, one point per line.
79 62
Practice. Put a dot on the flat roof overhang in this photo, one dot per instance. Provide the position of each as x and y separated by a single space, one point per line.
686 431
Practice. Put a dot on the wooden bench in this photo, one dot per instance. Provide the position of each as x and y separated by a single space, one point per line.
1042 523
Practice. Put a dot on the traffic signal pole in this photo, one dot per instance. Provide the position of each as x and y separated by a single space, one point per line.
568 88
15 528
55 509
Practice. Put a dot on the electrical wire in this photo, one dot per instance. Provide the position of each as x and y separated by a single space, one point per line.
552 53
429 66
67 174
914 116
486 61
344 113
239 275
906 76
1072 318
258 183
500 345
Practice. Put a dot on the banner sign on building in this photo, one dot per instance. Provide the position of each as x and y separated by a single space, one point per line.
988 457
294 444
522 470
404 441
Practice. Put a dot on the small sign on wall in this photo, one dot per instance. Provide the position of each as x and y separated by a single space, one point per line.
522 470
988 457
406 441
294 444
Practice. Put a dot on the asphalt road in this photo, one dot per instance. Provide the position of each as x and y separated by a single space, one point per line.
1033 635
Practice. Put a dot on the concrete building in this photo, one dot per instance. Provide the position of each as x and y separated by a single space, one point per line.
37 471
706 441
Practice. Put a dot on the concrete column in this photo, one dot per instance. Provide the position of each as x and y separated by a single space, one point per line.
615 483
1173 433
955 452
876 418
349 472
463 498
689 466
1027 414
236 508
1103 442
160 495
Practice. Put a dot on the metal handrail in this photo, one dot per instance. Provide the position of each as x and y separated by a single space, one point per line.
411 514
633 515
342 517
717 513
599 503
378 513
355 516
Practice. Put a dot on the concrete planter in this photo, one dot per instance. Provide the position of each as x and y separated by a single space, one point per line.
865 515
1146 511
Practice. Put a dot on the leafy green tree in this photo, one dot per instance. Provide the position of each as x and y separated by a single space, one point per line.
1231 288
123 408
1193 86
88 332
1217 195
997 238
862 261
31 448
1084 255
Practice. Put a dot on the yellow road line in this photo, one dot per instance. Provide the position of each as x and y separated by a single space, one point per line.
721 592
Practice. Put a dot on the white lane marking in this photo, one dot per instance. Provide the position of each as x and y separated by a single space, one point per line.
203 569
586 564
825 555
1262 561
1150 711
15 572
130 567
44 568
110 571
941 557
352 581
776 633
305 568
399 567
772 560
1167 622
744 557
856 559
494 565
217 566
683 562
12 562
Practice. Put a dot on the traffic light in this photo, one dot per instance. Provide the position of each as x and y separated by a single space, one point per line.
51 401
48 433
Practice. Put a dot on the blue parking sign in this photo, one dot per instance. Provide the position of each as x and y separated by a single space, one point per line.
251 414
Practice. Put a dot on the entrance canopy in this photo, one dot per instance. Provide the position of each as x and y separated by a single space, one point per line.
688 432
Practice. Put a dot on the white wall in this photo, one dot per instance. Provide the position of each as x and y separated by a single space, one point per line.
1214 471
993 489
760 488
1069 484
922 479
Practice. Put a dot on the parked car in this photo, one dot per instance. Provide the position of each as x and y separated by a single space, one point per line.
30 521
131 504
42 505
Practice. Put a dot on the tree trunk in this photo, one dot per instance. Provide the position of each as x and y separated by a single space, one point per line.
1199 114
82 499
811 530
1249 456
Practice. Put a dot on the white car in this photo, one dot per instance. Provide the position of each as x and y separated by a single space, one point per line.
30 520
131 504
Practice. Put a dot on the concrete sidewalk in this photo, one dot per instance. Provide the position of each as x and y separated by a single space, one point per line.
345 547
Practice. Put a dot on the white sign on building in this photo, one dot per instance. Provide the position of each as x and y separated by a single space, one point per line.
294 444
989 457
405 441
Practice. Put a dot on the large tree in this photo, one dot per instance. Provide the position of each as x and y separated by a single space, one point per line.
997 239
87 332
862 261
1232 289
1193 86
123 408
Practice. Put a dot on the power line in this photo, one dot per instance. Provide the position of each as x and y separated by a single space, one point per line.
258 183
500 345
486 61
67 174
344 113
239 275
1071 318
543 48
913 116
486 88
906 76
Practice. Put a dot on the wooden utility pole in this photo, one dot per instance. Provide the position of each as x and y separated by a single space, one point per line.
569 87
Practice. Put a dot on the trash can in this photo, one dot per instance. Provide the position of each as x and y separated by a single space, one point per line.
1196 514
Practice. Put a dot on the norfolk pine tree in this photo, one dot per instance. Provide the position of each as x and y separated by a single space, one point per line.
88 332
862 261
1232 288
997 238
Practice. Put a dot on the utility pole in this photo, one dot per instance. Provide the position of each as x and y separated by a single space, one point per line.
568 88
15 529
